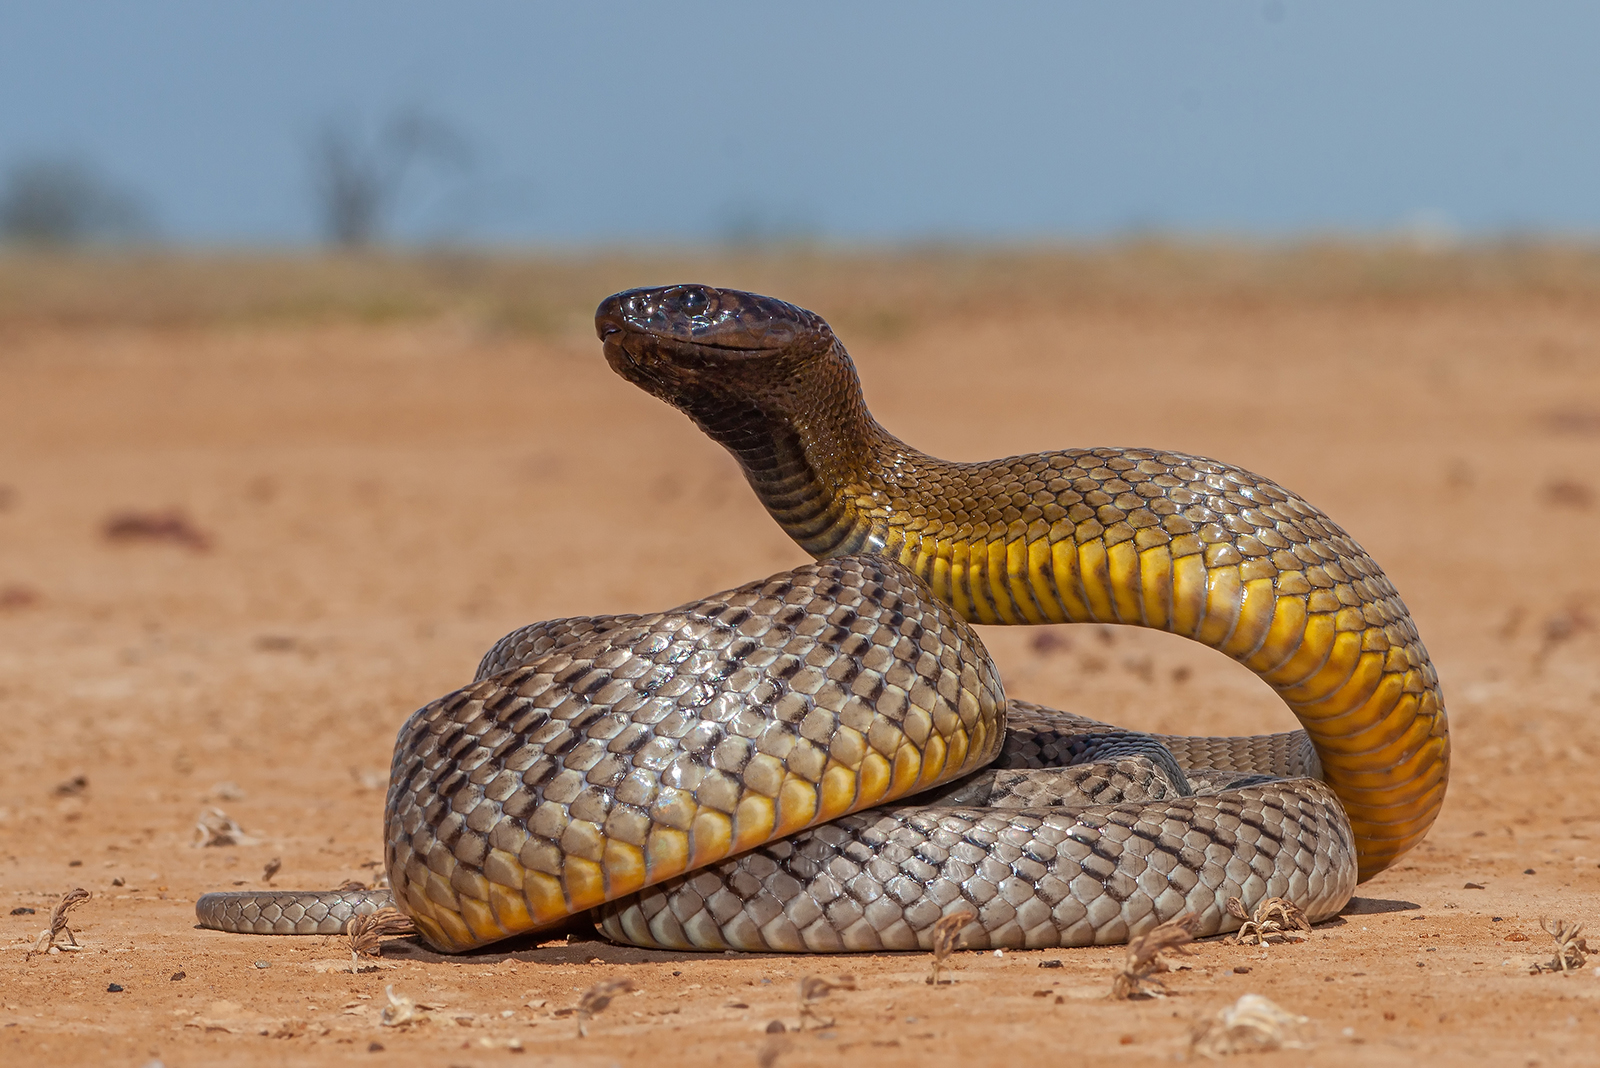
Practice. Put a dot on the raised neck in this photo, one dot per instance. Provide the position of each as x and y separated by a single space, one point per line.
808 447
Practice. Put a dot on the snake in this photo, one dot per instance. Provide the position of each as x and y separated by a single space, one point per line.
825 760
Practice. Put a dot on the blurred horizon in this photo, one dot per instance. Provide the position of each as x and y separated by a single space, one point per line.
505 125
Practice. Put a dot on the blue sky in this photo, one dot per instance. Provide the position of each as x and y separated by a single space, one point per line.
881 122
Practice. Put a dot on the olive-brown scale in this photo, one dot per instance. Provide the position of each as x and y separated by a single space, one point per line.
1108 535
627 750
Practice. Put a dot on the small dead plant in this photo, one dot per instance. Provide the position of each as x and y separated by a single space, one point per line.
1250 1025
1138 976
215 827
1275 918
401 1010
47 940
597 998
774 1047
813 988
367 933
1572 950
947 938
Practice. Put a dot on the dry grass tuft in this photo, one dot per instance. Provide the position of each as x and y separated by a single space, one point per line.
947 938
813 988
1250 1025
876 291
368 932
1275 918
597 998
46 942
215 827
1572 950
1138 977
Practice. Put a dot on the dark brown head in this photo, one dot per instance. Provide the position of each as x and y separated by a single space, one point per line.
714 353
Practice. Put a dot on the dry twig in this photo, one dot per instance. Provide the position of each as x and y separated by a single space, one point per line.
1572 950
368 932
596 998
171 526
947 938
1275 917
215 827
1250 1025
814 988
58 923
1138 977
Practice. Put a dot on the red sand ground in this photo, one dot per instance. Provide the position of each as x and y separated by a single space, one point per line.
381 502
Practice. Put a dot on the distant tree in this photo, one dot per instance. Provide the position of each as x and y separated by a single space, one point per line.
357 177
63 201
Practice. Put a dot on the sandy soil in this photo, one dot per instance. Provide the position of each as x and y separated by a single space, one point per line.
382 501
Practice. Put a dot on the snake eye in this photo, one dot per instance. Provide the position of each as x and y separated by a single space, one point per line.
695 302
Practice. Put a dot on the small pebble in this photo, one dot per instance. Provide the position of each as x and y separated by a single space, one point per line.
114 988
776 1027
22 910
374 1047
1050 964
1241 969
178 976
263 964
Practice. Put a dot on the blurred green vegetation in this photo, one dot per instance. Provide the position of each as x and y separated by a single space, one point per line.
877 292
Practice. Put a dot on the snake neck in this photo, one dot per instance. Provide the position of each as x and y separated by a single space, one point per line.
815 456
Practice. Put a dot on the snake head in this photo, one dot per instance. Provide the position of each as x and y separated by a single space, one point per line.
696 346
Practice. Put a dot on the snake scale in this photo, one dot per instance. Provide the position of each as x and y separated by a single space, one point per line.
825 760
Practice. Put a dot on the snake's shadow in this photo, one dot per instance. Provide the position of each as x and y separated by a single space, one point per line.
578 944
572 944
1373 906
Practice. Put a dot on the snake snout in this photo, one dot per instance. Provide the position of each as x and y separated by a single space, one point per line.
679 311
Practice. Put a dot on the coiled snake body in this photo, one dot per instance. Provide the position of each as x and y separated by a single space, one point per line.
730 773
